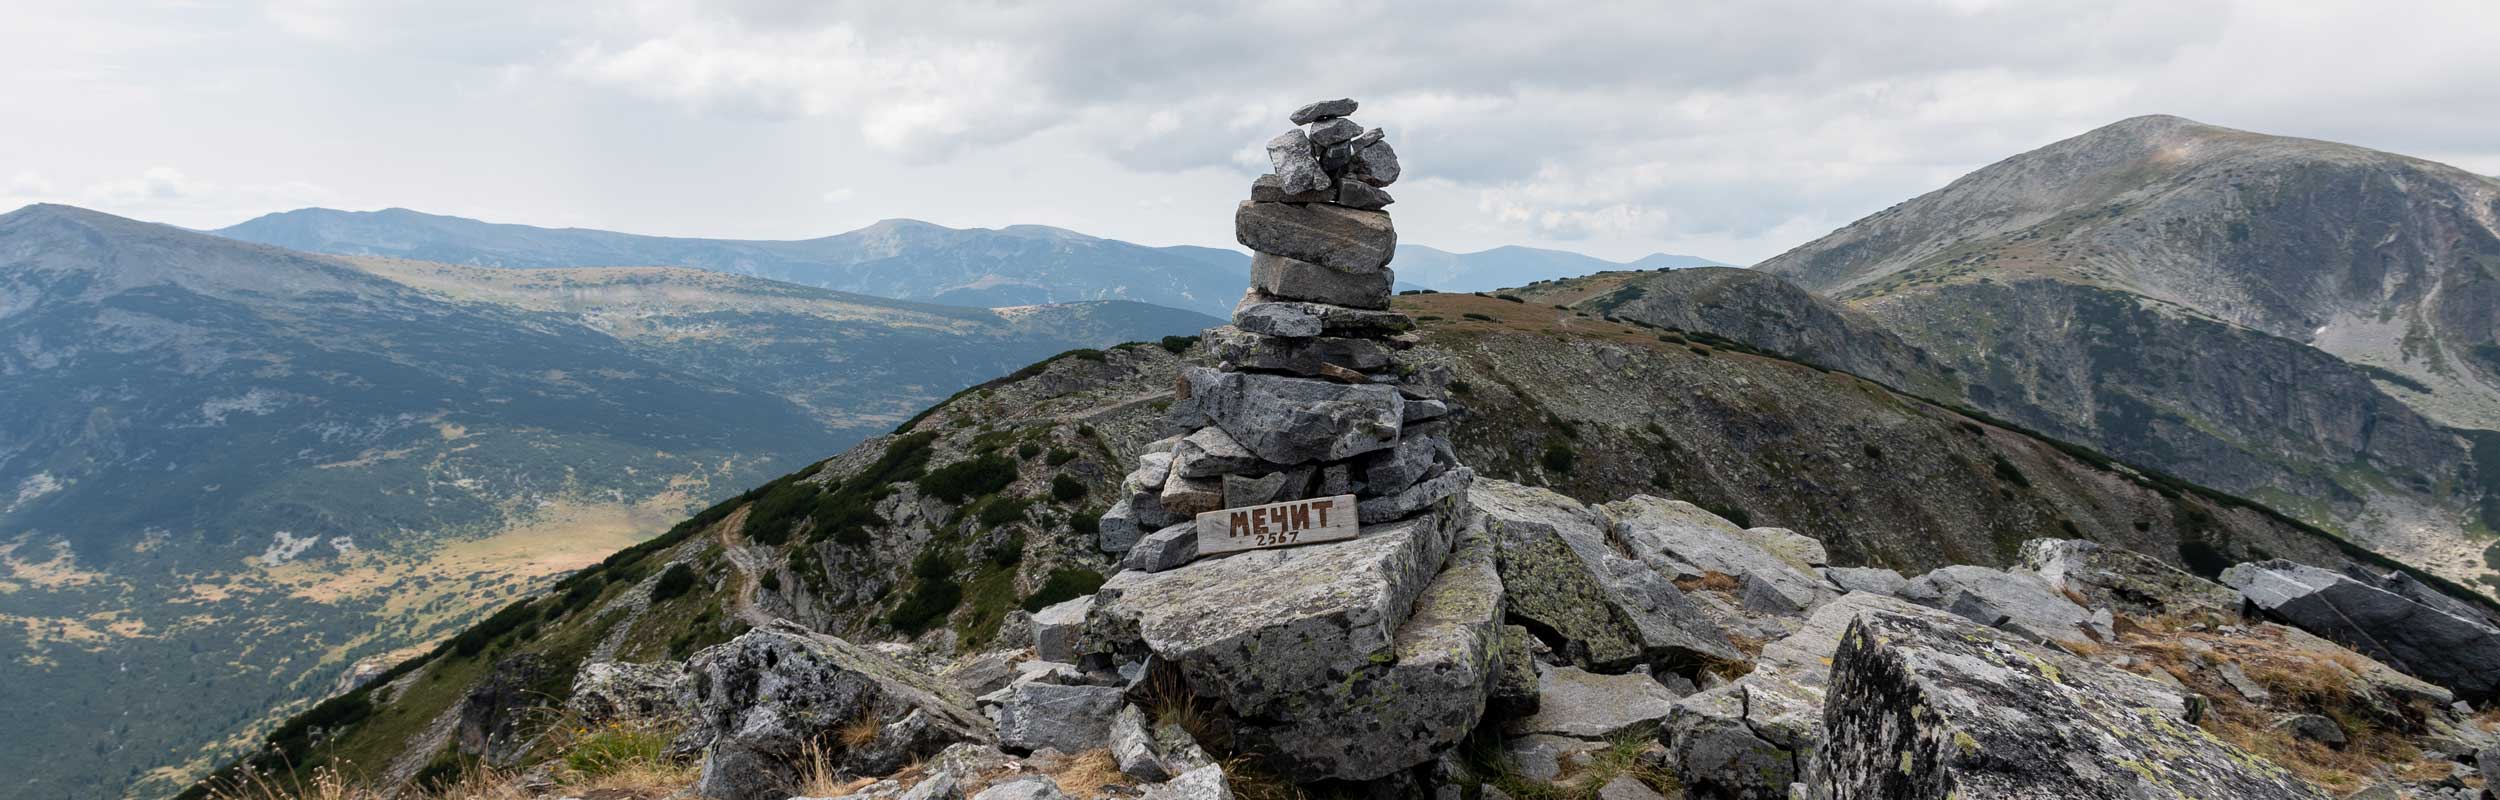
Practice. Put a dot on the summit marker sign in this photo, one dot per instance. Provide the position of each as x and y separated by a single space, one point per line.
1319 519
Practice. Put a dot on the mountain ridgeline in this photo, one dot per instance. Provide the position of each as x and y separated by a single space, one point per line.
2308 323
897 258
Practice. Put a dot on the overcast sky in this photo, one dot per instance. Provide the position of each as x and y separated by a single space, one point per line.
1726 130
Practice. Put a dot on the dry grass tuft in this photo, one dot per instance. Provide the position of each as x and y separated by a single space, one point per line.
476 783
1714 581
1087 774
863 731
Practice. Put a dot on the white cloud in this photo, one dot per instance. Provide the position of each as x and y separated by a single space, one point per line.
840 195
1613 127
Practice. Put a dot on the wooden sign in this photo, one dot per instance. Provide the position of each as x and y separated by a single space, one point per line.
1319 519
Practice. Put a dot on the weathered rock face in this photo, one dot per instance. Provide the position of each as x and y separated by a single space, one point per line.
1585 705
1684 541
2422 640
1253 627
1920 706
1339 238
1070 719
1293 279
605 691
1592 605
1422 699
1290 420
2013 601
491 715
2118 579
1751 738
759 699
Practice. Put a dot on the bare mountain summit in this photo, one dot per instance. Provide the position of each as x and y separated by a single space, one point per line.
2310 323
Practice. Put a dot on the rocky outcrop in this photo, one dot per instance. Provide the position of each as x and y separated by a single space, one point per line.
492 713
761 699
1423 697
1571 588
1684 541
614 691
1753 737
2424 640
2123 580
2013 601
1923 706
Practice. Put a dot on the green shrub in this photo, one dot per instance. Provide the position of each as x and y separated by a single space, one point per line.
478 636
1513 298
931 599
1060 455
1177 345
1027 451
1064 584
770 518
1007 552
1086 521
998 511
968 479
771 581
1066 488
2006 472
674 581
1478 317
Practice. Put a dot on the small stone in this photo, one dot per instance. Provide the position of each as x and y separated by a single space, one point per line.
1357 194
1375 164
1287 278
2240 682
1343 239
1626 787
1133 748
1585 705
1873 580
1296 164
1208 452
1335 158
2314 728
1117 530
1034 787
1288 320
1187 497
1164 549
1367 138
1288 420
1324 109
1203 783
1240 491
1056 629
1331 131
1298 356
1269 188
1416 498
1071 719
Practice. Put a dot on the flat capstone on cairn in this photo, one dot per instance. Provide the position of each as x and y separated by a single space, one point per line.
1310 398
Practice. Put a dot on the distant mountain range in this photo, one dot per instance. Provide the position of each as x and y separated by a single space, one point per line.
900 258
2315 325
226 469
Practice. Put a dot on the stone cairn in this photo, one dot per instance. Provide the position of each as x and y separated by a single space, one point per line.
1310 398
1344 659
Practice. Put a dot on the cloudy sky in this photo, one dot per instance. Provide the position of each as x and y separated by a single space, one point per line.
1727 130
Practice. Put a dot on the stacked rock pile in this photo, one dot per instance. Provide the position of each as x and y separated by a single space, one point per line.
1309 399
1336 658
